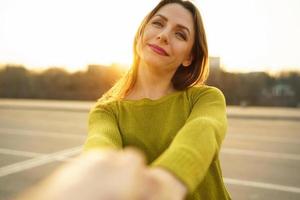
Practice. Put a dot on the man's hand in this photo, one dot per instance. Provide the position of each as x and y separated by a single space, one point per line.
162 185
95 175
108 175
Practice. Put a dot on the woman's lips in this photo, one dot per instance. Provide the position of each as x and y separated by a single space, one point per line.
158 50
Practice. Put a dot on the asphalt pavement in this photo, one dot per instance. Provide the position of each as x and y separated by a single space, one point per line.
260 156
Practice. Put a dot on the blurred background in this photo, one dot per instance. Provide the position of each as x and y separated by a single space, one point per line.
63 50
57 57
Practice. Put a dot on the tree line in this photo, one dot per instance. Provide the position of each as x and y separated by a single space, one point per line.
246 89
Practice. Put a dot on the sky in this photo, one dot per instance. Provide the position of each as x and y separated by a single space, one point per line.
248 35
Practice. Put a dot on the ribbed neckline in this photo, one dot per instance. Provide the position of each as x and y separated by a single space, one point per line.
153 101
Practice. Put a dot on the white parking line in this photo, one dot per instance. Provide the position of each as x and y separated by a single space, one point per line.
29 154
263 138
262 185
65 154
20 153
40 133
260 154
41 160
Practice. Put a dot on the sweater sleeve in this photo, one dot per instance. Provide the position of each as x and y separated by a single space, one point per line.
103 130
193 149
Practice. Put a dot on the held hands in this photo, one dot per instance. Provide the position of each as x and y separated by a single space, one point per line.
108 175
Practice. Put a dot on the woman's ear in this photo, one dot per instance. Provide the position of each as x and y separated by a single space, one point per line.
188 60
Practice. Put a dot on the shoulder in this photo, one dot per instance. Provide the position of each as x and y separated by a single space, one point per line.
205 92
103 106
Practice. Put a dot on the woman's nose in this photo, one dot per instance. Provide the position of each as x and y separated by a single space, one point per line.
163 37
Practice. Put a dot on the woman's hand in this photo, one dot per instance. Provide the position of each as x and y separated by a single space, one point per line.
162 185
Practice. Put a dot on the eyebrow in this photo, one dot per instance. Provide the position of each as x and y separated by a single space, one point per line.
179 25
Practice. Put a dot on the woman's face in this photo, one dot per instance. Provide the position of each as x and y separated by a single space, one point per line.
168 38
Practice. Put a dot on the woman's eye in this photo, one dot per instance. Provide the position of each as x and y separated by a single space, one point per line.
180 35
157 24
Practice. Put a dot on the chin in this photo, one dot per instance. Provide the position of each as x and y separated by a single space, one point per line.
154 63
153 59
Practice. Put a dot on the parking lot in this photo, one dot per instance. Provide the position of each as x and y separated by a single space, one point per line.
260 156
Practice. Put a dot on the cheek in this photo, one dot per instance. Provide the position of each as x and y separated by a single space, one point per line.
141 44
180 50
149 33
139 47
143 40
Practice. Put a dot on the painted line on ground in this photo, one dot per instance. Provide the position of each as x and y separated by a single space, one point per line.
263 138
10 131
65 154
20 153
262 185
28 154
61 108
252 116
38 161
260 154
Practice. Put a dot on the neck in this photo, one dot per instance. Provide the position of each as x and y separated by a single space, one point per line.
152 83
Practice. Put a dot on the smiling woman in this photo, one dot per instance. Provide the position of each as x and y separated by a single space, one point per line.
162 107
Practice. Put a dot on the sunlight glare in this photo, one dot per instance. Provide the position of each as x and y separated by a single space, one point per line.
247 35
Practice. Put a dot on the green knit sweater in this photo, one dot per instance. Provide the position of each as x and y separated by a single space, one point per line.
181 132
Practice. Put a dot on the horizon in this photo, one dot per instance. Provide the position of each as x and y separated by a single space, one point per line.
123 68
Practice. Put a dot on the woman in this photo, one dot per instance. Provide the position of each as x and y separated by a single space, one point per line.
162 107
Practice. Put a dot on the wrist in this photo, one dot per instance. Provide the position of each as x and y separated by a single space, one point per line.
169 182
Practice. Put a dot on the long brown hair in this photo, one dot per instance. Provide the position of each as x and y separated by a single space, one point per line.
184 77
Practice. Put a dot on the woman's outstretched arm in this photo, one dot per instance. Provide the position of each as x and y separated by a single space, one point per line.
103 130
198 142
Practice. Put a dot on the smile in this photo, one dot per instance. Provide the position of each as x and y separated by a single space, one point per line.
158 50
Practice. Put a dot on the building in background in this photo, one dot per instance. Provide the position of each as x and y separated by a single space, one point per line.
214 63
